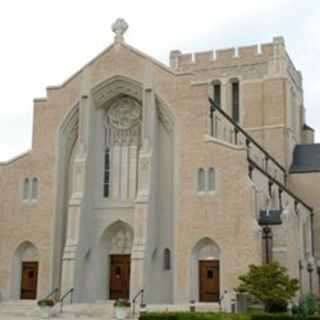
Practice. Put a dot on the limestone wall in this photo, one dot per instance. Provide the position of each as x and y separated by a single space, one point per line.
227 216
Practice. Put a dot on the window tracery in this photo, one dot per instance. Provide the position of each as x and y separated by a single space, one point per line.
122 143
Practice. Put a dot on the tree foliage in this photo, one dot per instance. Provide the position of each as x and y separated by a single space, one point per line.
270 284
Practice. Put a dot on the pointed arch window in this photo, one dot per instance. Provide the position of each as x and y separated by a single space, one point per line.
120 156
201 179
106 187
167 259
34 188
211 179
26 184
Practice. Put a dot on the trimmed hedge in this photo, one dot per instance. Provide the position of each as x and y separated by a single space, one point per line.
272 316
219 316
280 316
192 316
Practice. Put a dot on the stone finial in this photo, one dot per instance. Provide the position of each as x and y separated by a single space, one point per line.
119 27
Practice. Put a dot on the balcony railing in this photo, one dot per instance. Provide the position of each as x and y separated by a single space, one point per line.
224 128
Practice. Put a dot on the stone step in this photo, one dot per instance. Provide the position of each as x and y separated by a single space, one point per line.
19 308
98 311
200 307
30 310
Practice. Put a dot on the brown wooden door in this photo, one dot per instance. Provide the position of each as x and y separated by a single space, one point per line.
209 281
29 280
119 276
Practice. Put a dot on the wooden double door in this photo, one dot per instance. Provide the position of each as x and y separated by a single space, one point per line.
209 279
29 280
119 277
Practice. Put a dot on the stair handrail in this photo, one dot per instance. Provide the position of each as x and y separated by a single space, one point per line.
69 292
51 293
140 293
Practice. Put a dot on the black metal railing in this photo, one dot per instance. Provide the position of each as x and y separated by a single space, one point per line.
68 293
139 294
281 186
52 293
236 130
234 136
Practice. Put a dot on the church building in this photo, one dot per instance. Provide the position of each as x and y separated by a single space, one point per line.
171 179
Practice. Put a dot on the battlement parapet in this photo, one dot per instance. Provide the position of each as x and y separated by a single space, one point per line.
274 50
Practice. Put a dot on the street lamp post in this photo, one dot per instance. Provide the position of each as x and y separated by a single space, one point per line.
310 270
267 237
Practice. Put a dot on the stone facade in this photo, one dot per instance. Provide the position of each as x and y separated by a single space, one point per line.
128 162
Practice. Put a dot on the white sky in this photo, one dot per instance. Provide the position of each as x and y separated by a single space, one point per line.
43 42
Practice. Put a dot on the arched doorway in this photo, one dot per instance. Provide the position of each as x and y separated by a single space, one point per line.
205 271
25 272
115 260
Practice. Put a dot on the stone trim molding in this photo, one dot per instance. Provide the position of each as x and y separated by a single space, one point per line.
18 157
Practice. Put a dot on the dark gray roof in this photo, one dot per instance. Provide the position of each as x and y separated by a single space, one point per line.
270 217
306 127
306 158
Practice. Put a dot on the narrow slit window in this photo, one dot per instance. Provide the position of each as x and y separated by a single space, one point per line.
106 185
211 179
201 180
235 101
34 188
217 94
167 259
26 189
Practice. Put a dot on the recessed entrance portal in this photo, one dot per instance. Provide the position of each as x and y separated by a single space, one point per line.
113 263
209 281
205 271
119 277
29 280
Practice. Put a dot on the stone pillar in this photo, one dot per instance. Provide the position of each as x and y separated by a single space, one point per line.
143 208
140 223
70 256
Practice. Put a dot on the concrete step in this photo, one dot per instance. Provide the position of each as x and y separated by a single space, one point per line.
19 308
93 311
200 307
30 310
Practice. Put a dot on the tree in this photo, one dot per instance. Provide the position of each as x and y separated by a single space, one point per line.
269 284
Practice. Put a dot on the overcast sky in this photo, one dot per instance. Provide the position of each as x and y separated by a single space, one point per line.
43 42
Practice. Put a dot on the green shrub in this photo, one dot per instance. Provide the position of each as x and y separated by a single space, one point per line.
317 317
270 284
311 304
307 307
46 303
122 303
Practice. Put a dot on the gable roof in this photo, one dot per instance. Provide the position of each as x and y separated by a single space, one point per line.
306 158
109 48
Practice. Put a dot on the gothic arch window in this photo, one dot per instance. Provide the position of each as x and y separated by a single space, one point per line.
34 188
211 179
201 180
166 259
121 150
26 184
